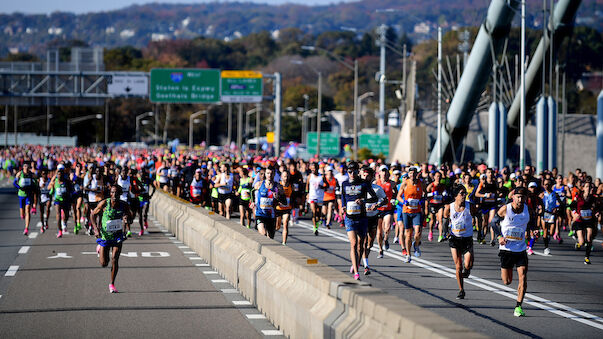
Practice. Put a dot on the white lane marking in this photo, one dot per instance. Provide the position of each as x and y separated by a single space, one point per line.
165 231
90 253
33 235
177 242
154 254
189 252
210 272
272 332
182 246
24 249
219 281
195 258
536 301
255 316
12 270
39 224
241 303
60 255
202 265
229 290
173 238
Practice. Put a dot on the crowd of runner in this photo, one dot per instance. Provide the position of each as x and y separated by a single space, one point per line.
518 210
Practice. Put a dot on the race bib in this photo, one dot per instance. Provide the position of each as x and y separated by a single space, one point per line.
44 198
61 190
586 214
25 182
458 228
114 225
196 191
437 199
163 180
296 187
549 217
245 195
76 188
265 203
352 208
124 197
514 234
490 197
413 203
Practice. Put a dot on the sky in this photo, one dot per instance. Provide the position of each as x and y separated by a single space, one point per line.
85 6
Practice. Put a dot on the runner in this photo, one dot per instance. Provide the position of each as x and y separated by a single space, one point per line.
487 191
329 203
510 224
316 190
224 182
94 185
584 217
63 189
196 188
265 202
77 179
110 233
45 199
142 185
386 210
354 195
27 186
244 193
125 183
436 191
411 194
283 210
548 221
372 215
460 213
341 176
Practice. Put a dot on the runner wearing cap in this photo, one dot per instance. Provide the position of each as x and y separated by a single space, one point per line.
436 192
283 210
45 199
411 194
196 188
386 211
27 186
316 190
244 192
62 188
372 213
510 224
329 196
584 217
487 192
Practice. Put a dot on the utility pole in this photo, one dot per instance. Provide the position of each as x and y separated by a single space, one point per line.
356 109
15 124
258 110
522 122
229 137
240 127
439 96
318 114
167 121
106 122
156 118
381 123
278 103
47 121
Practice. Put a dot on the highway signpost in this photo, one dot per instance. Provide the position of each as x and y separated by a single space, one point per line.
128 85
329 143
376 143
241 86
185 85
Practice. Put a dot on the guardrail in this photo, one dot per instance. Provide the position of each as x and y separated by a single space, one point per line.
303 300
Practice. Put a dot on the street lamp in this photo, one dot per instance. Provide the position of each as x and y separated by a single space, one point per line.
138 118
191 122
299 62
353 67
305 116
360 98
80 119
32 119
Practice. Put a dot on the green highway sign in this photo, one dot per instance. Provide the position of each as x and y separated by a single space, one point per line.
329 143
241 86
185 85
377 143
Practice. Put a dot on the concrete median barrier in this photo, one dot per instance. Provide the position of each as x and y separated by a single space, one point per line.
303 300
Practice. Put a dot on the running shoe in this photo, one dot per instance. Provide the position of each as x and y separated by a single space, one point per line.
430 237
396 240
76 228
461 295
406 258
482 241
315 230
112 289
141 233
146 224
42 229
129 234
417 252
367 270
380 255
64 226
530 251
356 276
519 312
492 243
586 261
466 273
547 251
328 226
440 238
386 245
577 246
60 234
98 248
26 232
405 252
34 210
284 243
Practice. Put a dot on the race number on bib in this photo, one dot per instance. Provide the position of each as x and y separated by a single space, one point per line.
25 182
586 214
514 234
265 203
458 228
114 225
352 208
413 203
549 217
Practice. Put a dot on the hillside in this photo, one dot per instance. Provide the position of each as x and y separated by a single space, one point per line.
138 25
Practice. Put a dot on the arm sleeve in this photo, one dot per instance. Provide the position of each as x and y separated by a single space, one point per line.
495 224
370 191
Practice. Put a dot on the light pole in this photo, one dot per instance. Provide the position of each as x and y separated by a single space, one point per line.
80 119
305 116
299 62
360 98
353 67
190 126
138 118
32 119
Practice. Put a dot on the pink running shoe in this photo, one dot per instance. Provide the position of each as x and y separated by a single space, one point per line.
112 289
146 225
141 233
98 248
529 250
34 210
430 237
356 276
26 232
60 234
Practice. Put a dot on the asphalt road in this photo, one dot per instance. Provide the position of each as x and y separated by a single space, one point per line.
564 300
59 288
